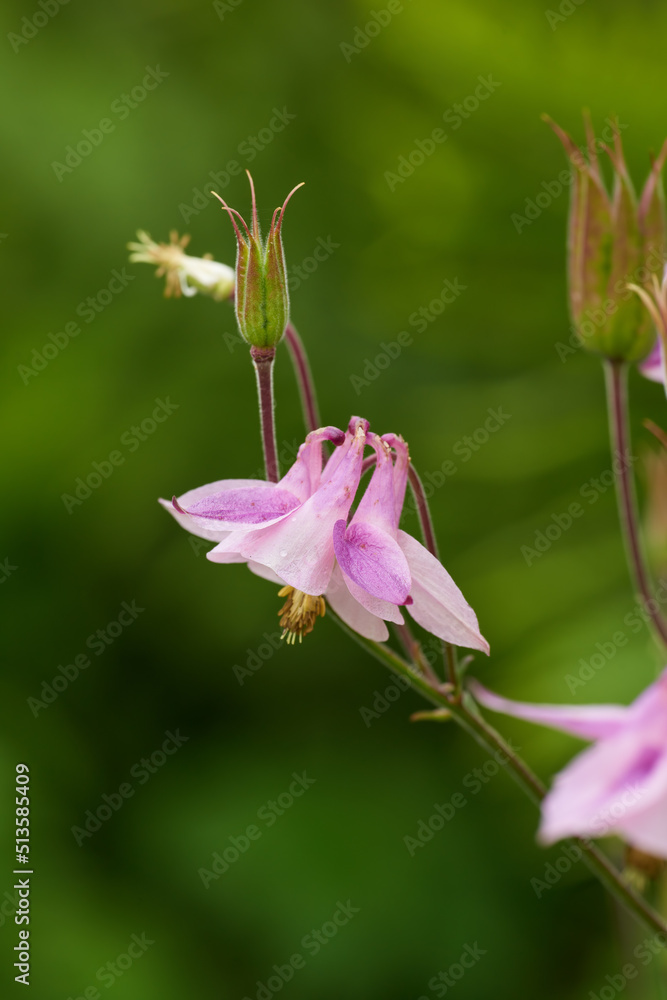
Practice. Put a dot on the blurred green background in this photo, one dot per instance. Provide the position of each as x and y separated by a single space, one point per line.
223 70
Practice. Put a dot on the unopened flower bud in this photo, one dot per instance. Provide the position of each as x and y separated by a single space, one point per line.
612 240
184 274
262 297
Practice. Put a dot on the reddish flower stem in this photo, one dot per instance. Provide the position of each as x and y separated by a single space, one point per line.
262 359
304 378
617 402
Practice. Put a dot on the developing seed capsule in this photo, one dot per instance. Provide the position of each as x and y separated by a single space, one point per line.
613 240
262 297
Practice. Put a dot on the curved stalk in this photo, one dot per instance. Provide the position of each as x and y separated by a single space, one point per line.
304 378
262 359
617 402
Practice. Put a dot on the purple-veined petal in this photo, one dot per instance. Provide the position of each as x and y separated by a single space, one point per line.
351 612
371 558
377 505
259 505
299 548
207 531
590 722
439 606
401 466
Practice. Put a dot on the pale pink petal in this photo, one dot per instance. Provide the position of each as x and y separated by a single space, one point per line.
303 478
371 558
265 573
648 829
377 505
219 555
351 612
401 466
439 606
590 722
300 547
382 609
230 509
653 367
192 496
604 788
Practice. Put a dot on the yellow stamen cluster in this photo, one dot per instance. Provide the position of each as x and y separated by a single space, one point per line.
299 613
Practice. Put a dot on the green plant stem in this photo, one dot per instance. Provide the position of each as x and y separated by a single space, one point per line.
617 402
486 736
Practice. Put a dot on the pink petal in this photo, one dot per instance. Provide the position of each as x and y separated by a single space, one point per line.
606 789
377 505
376 606
401 466
303 478
351 612
265 573
439 606
192 496
261 504
371 558
653 367
590 722
300 547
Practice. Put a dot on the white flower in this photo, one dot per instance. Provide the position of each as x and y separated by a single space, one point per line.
184 274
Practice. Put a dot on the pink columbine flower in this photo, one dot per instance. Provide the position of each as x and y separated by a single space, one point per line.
619 785
296 534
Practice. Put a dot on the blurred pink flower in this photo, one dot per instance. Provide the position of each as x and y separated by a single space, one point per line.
296 533
619 785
